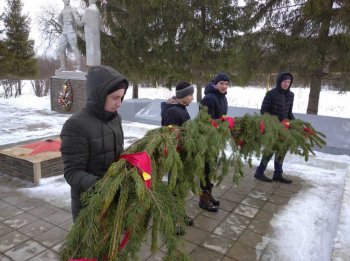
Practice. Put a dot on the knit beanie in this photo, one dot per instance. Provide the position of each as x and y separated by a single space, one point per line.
221 77
286 77
183 89
121 85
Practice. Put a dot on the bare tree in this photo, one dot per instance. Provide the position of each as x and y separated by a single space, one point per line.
9 86
49 27
41 85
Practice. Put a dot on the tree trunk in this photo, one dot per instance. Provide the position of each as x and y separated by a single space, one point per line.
17 88
199 93
320 58
314 95
135 91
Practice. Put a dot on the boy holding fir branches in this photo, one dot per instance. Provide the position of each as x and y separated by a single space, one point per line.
278 102
174 112
92 139
216 102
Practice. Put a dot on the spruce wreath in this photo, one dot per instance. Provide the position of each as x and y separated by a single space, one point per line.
65 98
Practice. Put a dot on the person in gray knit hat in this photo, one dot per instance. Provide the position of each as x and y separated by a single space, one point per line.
174 112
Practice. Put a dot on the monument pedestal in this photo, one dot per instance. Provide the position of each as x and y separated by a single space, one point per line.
77 81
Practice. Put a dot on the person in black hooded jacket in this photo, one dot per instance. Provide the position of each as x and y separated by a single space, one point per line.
279 102
174 112
93 137
216 102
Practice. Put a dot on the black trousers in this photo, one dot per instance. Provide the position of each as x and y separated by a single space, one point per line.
207 184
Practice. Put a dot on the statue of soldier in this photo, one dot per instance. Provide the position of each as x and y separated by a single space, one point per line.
92 26
68 19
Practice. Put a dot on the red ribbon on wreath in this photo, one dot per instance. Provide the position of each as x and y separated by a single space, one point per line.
230 121
285 123
214 123
262 127
142 161
309 131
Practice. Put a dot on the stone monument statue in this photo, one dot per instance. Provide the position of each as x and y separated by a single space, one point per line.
68 19
92 25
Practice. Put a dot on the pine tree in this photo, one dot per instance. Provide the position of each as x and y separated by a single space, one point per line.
161 42
5 59
309 38
23 63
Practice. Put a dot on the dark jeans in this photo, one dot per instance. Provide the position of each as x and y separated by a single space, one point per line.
207 185
278 162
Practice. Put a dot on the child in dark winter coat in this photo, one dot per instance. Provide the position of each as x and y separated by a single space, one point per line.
174 112
92 139
216 102
278 102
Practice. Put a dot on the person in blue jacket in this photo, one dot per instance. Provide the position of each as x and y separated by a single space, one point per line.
216 102
279 102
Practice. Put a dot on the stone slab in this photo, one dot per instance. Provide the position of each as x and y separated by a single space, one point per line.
16 161
70 75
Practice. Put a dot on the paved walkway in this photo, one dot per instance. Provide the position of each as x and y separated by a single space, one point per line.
32 229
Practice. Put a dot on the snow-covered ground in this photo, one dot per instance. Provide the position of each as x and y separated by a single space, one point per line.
306 230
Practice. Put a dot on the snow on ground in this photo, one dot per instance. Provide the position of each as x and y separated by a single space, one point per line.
305 230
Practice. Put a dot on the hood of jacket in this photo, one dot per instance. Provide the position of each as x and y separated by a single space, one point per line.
101 79
210 88
169 103
279 80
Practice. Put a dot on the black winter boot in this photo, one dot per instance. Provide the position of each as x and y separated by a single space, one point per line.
262 178
280 178
205 203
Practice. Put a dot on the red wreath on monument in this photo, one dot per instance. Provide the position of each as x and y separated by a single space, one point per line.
65 98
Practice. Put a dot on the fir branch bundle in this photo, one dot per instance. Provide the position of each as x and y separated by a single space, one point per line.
120 202
297 137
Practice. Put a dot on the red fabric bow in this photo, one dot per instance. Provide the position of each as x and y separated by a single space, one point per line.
230 120
262 127
125 239
142 161
309 131
214 123
285 123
